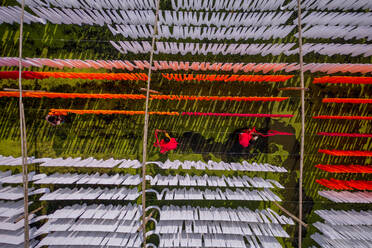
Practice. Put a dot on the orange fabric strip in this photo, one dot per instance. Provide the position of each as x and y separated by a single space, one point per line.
138 96
105 112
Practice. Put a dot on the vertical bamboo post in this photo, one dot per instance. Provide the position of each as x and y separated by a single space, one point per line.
302 147
23 134
146 127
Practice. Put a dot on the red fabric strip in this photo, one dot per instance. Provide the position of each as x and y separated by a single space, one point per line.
346 100
355 135
235 114
345 168
336 184
335 117
343 80
347 153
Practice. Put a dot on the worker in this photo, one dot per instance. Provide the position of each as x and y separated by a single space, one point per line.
166 144
251 134
55 120
248 135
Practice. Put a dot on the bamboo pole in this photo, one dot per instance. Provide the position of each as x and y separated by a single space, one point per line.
23 134
146 127
291 215
302 147
32 212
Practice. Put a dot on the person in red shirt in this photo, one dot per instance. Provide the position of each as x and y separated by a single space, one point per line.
167 144
252 134
248 135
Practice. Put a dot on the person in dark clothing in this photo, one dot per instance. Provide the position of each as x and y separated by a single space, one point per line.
55 120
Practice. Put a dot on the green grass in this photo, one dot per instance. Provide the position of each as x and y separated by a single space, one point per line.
121 136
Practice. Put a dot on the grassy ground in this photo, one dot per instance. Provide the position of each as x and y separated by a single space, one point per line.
201 138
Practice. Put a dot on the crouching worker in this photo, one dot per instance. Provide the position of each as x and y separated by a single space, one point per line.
166 144
55 120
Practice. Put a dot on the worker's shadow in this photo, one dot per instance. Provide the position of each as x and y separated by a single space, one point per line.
231 150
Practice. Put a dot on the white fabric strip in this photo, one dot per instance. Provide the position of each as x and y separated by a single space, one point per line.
11 14
346 217
218 166
11 161
327 49
16 193
121 193
86 179
331 5
210 195
17 178
220 227
216 5
89 162
345 232
325 241
94 4
328 68
94 238
229 5
147 17
347 197
200 33
335 32
335 18
214 181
